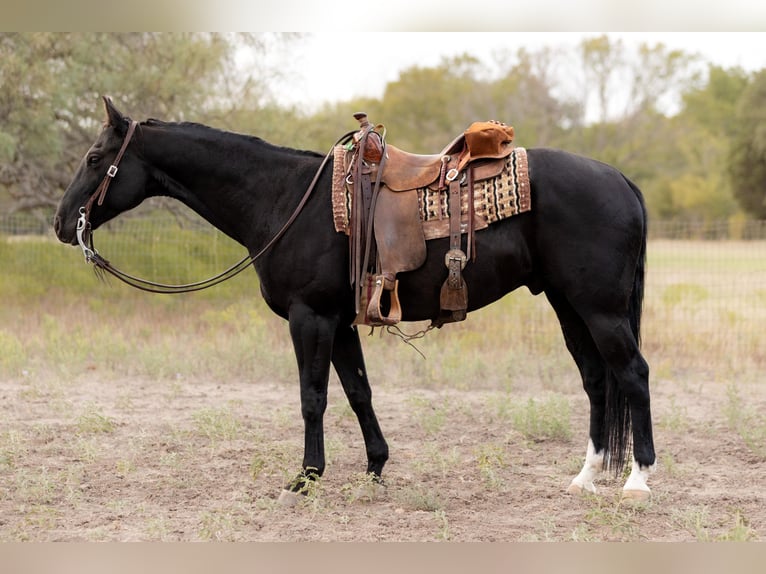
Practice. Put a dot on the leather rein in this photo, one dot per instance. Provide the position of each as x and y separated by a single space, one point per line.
85 233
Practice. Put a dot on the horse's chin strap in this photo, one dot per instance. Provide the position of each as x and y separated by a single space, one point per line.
84 237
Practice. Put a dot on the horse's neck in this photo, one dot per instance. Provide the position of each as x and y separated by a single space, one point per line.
212 172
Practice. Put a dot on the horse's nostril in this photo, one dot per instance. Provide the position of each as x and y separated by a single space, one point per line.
56 224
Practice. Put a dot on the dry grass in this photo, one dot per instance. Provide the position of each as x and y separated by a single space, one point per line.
60 330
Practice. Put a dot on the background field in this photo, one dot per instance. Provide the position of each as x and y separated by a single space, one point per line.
129 416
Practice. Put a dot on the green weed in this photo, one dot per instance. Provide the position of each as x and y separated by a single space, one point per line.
222 524
13 355
217 424
92 421
491 461
441 517
740 531
696 521
544 419
12 448
430 416
684 292
419 498
748 423
621 521
674 418
364 486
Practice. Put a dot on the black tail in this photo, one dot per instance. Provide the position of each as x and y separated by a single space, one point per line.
617 424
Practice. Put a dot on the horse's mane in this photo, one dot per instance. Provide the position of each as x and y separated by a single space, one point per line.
197 127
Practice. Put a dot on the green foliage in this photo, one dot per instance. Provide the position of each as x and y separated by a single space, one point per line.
691 138
545 419
748 423
93 421
217 424
747 159
50 84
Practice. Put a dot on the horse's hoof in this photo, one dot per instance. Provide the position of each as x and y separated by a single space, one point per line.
636 495
288 498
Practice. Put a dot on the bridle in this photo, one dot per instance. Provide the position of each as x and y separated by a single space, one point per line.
85 233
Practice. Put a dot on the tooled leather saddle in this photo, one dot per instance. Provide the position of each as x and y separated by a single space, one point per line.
386 229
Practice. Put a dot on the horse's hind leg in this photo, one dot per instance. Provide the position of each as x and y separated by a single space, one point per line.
348 360
585 354
618 346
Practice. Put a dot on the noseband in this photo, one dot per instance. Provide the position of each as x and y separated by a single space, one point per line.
84 236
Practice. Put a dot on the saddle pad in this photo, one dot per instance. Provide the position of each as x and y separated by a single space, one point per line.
496 198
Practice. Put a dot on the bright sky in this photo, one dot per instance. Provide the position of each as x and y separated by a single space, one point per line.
332 67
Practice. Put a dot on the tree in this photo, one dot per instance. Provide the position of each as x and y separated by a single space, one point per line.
50 84
698 185
525 96
426 107
747 155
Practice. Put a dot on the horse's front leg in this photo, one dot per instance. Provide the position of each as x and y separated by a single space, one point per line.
348 360
313 337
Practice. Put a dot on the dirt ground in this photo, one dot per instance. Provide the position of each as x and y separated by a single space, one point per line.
88 459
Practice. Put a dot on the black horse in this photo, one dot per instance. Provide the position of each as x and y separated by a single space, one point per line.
583 244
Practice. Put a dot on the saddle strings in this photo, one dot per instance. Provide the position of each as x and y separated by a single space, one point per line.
397 332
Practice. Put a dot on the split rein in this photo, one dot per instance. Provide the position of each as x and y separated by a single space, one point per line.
85 233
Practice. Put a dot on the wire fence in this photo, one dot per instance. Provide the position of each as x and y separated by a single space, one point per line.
705 305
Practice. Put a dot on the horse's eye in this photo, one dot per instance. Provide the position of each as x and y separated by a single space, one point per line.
93 159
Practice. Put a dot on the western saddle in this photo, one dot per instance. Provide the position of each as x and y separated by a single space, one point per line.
386 226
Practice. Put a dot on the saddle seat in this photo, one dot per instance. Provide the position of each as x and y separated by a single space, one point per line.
404 171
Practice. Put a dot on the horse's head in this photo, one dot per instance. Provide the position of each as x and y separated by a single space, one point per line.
126 183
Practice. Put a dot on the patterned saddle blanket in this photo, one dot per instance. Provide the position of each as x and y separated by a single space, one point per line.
497 198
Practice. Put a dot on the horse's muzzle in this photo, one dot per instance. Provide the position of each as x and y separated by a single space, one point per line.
62 233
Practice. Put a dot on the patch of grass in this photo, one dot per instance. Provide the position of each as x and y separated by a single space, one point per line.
12 448
438 459
363 486
93 421
668 464
430 416
698 522
491 461
125 467
441 518
675 418
686 292
621 522
748 423
740 531
37 487
13 355
419 498
217 424
86 449
695 520
222 524
543 419
311 486
157 529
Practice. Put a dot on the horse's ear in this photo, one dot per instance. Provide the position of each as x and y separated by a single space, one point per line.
114 117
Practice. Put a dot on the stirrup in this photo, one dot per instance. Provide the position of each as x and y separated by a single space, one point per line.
453 298
375 315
